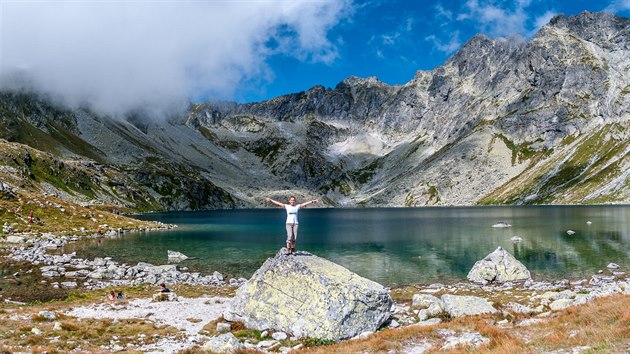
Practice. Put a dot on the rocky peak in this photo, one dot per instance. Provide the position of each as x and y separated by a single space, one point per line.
604 29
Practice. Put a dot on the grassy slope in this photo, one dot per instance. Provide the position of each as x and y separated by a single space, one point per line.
570 173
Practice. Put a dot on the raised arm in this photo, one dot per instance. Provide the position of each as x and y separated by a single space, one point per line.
275 202
308 203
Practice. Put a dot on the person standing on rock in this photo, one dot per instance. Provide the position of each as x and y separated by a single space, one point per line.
292 219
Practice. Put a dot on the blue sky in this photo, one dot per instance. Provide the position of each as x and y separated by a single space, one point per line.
392 39
115 56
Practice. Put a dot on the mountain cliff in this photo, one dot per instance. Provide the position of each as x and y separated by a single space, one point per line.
501 122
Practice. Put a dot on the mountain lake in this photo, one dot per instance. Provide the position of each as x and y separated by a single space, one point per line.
392 246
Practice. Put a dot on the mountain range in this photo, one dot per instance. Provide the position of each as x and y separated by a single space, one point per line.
503 121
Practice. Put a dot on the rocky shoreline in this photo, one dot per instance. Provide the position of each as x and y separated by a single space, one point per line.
100 272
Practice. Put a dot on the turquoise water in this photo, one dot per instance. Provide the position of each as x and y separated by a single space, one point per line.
393 246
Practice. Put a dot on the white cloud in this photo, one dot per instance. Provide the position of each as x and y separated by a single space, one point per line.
542 20
618 6
497 21
117 55
442 12
447 47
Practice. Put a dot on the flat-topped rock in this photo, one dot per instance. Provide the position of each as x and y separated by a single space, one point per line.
309 296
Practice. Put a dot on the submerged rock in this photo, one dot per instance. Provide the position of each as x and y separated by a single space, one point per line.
174 256
499 266
309 296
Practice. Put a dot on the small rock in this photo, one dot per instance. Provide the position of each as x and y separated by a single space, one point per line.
57 326
279 336
36 331
217 275
49 315
612 266
266 343
223 327
16 239
174 256
570 232
224 343
561 304
363 335
429 322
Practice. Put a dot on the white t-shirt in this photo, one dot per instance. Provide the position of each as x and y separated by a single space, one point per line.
292 213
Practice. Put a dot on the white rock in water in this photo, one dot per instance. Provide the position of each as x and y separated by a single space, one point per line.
176 256
499 266
588 222
501 224
516 239
570 232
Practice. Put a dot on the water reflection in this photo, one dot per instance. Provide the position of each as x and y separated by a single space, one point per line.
391 246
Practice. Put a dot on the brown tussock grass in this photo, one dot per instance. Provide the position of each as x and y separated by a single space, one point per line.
380 342
603 324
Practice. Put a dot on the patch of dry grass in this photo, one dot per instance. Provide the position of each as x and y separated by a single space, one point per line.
603 326
87 335
60 216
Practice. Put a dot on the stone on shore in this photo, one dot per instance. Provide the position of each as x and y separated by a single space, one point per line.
498 267
309 296
457 306
224 343
16 239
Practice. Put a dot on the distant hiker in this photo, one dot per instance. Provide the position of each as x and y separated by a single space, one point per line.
292 220
30 217
164 289
111 296
119 296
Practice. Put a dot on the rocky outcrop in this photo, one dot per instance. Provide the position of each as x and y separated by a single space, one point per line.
309 296
498 267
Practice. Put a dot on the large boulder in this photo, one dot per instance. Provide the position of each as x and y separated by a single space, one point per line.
309 296
498 267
